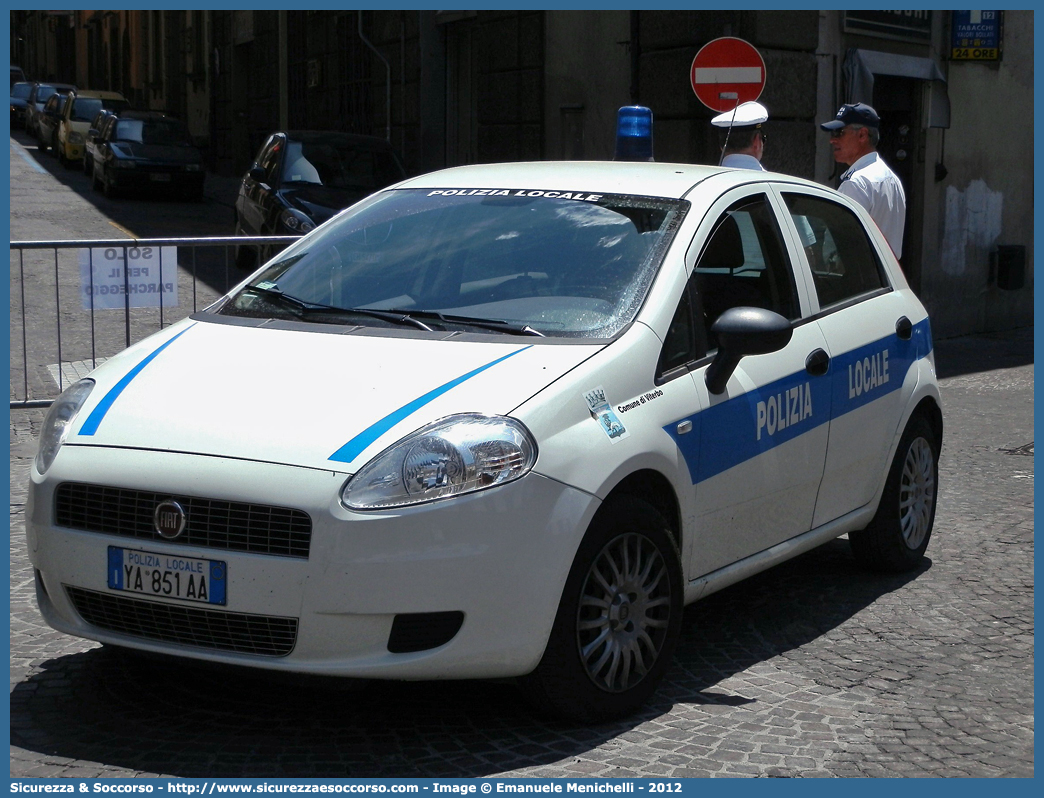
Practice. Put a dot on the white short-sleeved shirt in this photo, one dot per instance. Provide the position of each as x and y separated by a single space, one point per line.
873 185
739 160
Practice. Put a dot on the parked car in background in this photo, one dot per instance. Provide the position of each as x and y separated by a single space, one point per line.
17 75
147 150
90 144
19 99
77 118
38 97
49 119
301 178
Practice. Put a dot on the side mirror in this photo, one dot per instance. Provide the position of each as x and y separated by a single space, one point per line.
257 173
742 332
93 132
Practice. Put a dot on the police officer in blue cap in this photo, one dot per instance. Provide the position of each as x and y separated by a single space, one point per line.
854 134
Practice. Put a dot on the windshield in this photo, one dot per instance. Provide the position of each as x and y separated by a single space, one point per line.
86 108
555 263
163 131
338 165
21 90
43 92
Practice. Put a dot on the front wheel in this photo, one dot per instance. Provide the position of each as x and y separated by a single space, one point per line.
618 620
898 535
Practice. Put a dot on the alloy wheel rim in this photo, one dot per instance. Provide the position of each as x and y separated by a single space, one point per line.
917 493
624 613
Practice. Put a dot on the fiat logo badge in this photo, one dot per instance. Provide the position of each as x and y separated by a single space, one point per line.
169 519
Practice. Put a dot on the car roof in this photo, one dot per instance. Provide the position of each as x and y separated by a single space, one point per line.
671 180
357 139
66 87
100 95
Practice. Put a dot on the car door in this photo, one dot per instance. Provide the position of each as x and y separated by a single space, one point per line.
871 341
257 193
758 463
48 118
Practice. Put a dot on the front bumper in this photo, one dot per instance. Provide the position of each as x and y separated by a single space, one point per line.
498 557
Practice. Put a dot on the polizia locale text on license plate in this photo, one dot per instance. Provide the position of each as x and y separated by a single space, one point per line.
167 575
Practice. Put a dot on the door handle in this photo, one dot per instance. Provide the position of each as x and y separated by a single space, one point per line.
818 363
904 328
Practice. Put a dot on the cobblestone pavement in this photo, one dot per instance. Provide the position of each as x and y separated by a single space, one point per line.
812 669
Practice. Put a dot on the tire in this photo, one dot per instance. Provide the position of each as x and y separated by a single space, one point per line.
66 162
95 183
88 167
618 620
41 145
897 537
108 187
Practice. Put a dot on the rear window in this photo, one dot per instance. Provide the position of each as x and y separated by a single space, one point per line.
21 90
339 166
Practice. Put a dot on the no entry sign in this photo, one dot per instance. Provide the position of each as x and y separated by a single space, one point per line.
726 72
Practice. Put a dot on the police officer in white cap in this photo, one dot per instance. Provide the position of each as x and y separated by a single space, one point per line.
741 136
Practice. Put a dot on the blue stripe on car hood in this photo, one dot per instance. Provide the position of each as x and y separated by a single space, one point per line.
90 426
358 444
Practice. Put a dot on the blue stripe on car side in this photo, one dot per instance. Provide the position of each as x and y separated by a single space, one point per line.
360 442
726 434
90 426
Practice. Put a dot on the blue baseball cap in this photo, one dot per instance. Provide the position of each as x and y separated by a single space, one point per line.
854 114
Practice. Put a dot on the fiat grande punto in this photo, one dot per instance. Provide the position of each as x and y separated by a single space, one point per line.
498 421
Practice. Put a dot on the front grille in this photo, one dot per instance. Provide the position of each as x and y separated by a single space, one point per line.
211 524
265 635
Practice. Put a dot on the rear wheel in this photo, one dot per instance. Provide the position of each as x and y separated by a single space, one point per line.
618 620
898 535
41 145
108 186
87 165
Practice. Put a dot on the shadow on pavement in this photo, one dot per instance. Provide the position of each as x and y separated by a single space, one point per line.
171 717
970 354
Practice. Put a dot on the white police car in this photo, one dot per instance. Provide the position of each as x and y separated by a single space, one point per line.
498 421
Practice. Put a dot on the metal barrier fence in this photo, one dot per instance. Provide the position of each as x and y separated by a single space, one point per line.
75 303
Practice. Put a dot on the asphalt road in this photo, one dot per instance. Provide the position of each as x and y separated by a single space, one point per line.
813 668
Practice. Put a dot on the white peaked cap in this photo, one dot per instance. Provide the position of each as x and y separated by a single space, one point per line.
745 115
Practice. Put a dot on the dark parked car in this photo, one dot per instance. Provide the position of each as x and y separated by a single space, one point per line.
147 150
95 131
38 97
49 119
301 178
19 99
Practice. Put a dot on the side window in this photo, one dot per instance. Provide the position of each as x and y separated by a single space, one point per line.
743 265
269 161
679 346
843 261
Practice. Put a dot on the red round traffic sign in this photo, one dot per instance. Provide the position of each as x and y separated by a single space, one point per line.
726 72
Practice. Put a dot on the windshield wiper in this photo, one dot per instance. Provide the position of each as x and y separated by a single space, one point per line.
306 308
488 324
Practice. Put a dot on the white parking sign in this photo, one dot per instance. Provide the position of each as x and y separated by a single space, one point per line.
137 277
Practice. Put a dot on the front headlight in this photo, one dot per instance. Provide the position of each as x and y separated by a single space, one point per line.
75 138
457 455
296 222
58 421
